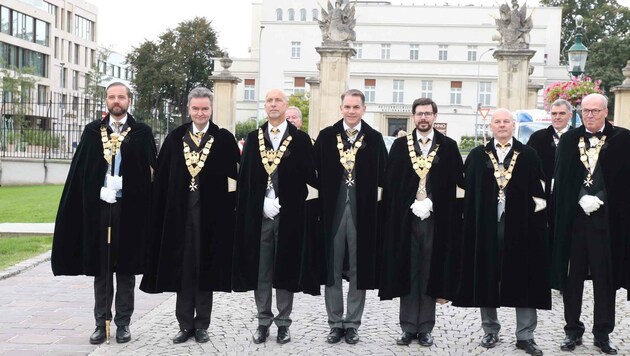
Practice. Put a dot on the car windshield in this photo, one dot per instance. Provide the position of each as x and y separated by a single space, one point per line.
526 129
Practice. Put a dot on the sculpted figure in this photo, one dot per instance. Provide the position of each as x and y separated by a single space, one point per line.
337 24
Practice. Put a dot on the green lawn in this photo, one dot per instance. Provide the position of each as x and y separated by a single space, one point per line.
16 249
29 204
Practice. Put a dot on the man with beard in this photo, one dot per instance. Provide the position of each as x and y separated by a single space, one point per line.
194 195
504 249
271 246
545 142
103 217
423 223
350 159
591 230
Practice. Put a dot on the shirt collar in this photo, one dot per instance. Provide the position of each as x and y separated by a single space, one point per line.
565 129
510 141
357 127
123 121
282 127
429 136
205 129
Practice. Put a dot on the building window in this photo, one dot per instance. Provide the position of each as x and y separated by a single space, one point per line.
456 93
472 53
52 9
443 53
369 90
485 90
41 32
68 22
399 91
41 94
359 48
83 28
426 89
278 14
414 52
75 80
76 54
299 85
386 50
291 15
86 107
75 103
69 54
250 90
302 14
315 14
5 20
63 77
295 49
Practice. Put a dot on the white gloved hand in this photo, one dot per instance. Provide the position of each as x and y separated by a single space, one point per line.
590 203
114 182
416 208
271 208
108 195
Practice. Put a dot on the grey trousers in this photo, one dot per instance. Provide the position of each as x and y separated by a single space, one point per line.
347 232
526 321
263 294
417 309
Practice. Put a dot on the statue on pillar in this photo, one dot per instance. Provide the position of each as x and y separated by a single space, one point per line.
337 24
514 26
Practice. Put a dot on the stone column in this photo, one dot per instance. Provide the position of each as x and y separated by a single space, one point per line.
313 108
224 103
513 77
622 99
532 97
334 76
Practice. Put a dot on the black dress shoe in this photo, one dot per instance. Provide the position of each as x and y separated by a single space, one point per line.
570 342
425 339
352 336
406 338
284 335
201 335
182 336
261 334
123 334
489 340
98 336
529 346
606 346
335 335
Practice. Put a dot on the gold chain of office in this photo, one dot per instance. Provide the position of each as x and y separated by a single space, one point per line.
269 157
502 175
196 161
111 143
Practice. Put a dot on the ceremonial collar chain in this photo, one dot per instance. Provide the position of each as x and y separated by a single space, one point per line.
195 161
348 157
421 164
111 143
593 154
270 158
501 175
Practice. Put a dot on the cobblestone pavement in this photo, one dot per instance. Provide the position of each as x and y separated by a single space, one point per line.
45 315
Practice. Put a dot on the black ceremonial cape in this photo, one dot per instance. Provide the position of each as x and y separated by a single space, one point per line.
401 185
370 175
295 171
615 165
75 248
171 193
523 278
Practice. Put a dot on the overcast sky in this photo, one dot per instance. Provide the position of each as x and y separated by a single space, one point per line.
124 24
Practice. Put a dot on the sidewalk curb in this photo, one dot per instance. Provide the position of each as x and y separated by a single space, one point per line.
25 265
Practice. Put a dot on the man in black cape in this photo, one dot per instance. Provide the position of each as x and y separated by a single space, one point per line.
271 247
545 142
194 195
423 223
592 233
108 185
505 257
350 159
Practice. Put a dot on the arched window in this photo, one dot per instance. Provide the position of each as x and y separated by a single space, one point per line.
291 15
315 14
302 14
279 14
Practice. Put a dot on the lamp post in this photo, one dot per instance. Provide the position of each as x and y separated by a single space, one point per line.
258 87
478 106
577 58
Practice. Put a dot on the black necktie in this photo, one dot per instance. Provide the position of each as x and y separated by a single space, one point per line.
598 134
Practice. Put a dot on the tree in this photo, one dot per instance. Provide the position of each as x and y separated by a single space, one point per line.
93 82
167 69
301 101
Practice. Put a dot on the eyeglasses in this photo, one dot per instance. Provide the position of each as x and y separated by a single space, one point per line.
595 112
427 114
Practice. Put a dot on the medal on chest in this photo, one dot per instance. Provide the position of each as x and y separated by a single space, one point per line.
348 157
589 158
196 160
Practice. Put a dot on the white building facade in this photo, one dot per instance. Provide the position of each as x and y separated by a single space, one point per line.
403 53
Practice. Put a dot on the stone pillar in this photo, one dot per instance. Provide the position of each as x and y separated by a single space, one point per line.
532 97
313 108
622 99
224 103
333 76
513 77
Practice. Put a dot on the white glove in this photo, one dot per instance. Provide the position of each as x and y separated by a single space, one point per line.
114 182
590 203
422 208
108 195
271 208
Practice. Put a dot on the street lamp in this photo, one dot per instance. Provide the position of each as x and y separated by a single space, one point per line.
478 106
577 57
